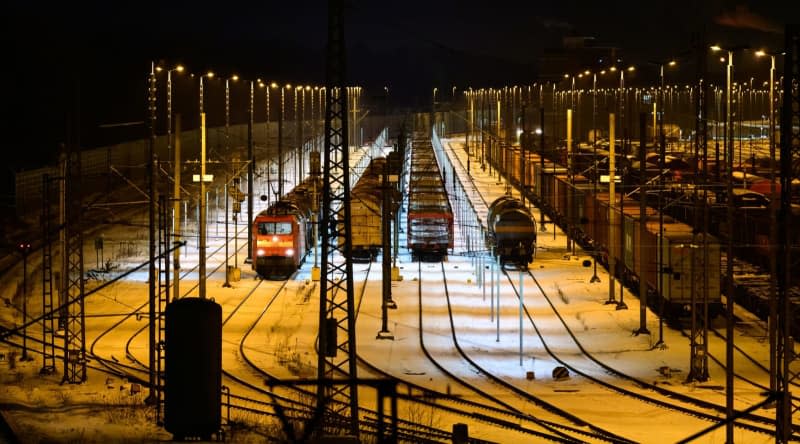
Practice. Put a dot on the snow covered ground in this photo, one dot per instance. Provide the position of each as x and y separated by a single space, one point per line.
108 409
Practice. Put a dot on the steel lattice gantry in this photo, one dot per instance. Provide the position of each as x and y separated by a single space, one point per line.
73 288
337 350
790 170
162 300
698 353
48 307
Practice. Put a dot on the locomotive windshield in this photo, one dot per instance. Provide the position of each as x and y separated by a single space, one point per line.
275 228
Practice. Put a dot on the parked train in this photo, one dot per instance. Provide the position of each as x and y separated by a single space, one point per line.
667 262
512 231
283 233
430 217
366 209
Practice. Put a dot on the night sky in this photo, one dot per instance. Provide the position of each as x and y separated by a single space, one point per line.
84 64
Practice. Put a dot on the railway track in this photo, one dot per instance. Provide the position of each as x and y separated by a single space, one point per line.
669 400
406 429
752 361
580 427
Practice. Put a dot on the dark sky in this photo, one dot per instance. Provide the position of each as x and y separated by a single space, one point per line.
87 61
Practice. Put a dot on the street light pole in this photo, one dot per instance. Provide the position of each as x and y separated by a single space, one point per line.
729 148
452 109
298 136
227 283
280 143
250 172
542 227
729 291
433 108
469 111
773 230
202 207
594 278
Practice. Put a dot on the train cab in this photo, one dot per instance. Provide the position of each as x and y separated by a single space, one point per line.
279 241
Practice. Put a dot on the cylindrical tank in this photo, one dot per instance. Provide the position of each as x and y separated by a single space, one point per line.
193 368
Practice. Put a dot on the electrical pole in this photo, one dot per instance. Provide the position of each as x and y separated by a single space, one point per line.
337 339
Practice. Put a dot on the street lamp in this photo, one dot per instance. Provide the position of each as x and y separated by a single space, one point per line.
177 68
234 77
433 109
280 140
270 86
202 207
661 167
209 75
228 109
386 107
729 271
177 168
773 231
298 138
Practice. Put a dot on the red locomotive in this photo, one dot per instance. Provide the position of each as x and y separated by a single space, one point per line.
283 233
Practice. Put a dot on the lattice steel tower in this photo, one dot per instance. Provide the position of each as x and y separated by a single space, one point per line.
337 350
73 288
48 307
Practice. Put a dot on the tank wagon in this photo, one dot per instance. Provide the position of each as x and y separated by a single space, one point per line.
512 231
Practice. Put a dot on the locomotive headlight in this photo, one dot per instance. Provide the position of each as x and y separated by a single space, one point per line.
274 238
289 252
260 252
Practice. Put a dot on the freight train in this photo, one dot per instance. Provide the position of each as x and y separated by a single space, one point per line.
512 231
676 265
430 217
366 209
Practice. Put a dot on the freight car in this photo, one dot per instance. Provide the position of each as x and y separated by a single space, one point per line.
430 217
512 231
676 265
282 234
366 211
667 262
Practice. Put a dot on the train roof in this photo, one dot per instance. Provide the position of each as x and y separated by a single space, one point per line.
296 202
505 204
